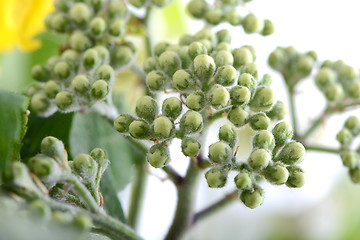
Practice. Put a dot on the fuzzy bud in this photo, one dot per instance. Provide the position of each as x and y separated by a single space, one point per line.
155 80
292 153
296 178
146 108
278 112
122 123
243 180
252 198
353 124
190 147
216 177
163 128
259 159
238 116
259 121
195 101
139 129
203 67
240 95
344 137
218 96
64 100
225 75
220 153
263 100
99 90
52 88
158 156
350 158
183 80
277 174
264 139
172 107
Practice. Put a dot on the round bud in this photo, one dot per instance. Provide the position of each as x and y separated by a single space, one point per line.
243 180
250 68
185 57
196 49
344 137
59 22
278 112
42 166
122 123
83 222
104 72
117 28
347 73
195 101
171 107
52 88
191 122
304 65
223 46
158 156
160 47
139 129
252 24
259 121
214 16
163 128
50 63
190 147
353 90
259 159
80 14
291 53
240 95
324 78
296 178
216 177
121 56
54 148
327 64
183 79
86 167
238 116
146 108
205 33
278 59
80 42
263 100
90 59
225 75
155 80
233 17
312 54
97 27
268 29
266 81
277 174
355 174
264 139
151 64
282 133
100 157
39 209
242 56
62 70
99 89
197 8
223 58
71 57
81 84
186 39
62 5
292 153
64 100
228 134
252 198
350 158
203 67
118 9
95 4
220 153
160 3
170 62
334 92
247 80
62 218
33 89
40 73
103 53
223 36
353 124
218 96
40 102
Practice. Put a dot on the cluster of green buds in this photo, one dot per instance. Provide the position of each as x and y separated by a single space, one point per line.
293 65
225 11
349 157
274 156
338 82
149 3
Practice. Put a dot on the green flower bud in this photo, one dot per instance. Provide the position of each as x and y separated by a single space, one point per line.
97 26
83 222
62 70
259 121
80 84
216 178
151 64
208 45
183 80
214 16
327 64
304 65
160 3
117 28
158 156
219 96
228 134
122 123
277 174
355 174
350 158
100 157
139 129
160 47
121 56
103 53
39 209
197 8
223 46
52 88
190 147
20 178
186 39
155 80
250 68
99 89
247 80
223 58
170 62
203 67
64 100
90 59
312 54
334 92
105 72
353 90
282 133
278 112
86 167
264 139
71 57
172 107
291 53
55 149
163 128
266 81
277 59
59 217
40 102
242 56
40 73
296 178
324 78
33 89
243 180
259 159
220 153
207 34
268 29
95 4
233 17
80 14
238 116
184 57
118 9
59 22
80 42
43 166
263 100
344 137
62 5
240 95
252 198
252 24
195 101
292 153
353 124
191 122
347 73
146 108
224 36
196 49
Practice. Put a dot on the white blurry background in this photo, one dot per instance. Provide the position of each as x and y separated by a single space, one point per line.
323 207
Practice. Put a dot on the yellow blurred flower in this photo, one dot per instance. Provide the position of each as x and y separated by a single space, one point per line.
21 21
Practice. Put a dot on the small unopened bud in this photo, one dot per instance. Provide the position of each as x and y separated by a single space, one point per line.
268 29
282 132
99 90
259 159
97 27
122 123
296 178
83 222
156 80
252 198
344 137
355 174
163 128
264 139
243 180
350 158
183 80
203 67
62 70
197 8
218 96
292 153
172 107
105 72
191 122
158 156
278 112
146 108
233 17
52 88
214 16
263 100
54 148
242 56
139 129
247 80
80 14
228 134
277 174
220 153
259 121
40 102
353 124
252 24
226 75
79 41
86 167
240 95
64 100
190 147
216 177
117 28
238 116
195 101
40 73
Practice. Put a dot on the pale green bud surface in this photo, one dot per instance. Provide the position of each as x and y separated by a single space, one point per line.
158 156
99 89
228 134
203 67
64 99
223 58
297 177
278 112
52 88
80 14
259 159
282 132
242 56
155 80
219 96
344 137
122 123
252 198
247 80
238 116
172 107
216 178
350 158
225 75
191 122
292 153
259 121
277 174
170 62
263 100
190 147
243 180
183 80
195 101
353 124
146 108
163 127
220 153
240 95
139 129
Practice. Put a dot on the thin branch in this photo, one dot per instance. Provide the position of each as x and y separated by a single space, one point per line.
173 175
322 149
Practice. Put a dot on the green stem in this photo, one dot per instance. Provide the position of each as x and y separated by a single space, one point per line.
316 124
174 176
322 149
292 109
185 203
148 40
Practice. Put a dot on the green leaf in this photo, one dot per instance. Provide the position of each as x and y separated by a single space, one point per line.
13 119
